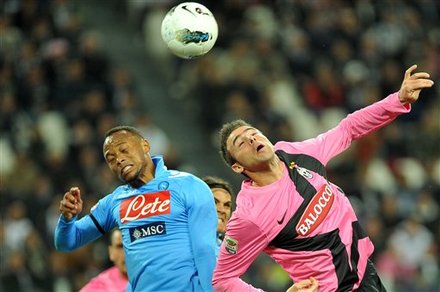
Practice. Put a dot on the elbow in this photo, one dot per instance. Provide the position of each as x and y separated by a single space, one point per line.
63 246
219 286
223 281
217 282
62 249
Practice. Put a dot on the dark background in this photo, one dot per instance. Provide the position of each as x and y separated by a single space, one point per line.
70 70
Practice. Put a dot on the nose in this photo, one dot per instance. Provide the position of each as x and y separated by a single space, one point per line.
119 160
251 138
221 209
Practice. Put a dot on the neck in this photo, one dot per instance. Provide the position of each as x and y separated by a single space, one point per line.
144 177
138 182
270 175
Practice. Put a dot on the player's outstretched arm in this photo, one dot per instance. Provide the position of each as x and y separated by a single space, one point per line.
309 285
413 84
366 120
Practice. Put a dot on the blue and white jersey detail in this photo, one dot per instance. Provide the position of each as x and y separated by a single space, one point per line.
168 229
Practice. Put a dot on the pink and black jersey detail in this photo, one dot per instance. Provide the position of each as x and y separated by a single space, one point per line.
303 221
346 267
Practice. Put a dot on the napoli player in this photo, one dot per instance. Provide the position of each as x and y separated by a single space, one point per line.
167 218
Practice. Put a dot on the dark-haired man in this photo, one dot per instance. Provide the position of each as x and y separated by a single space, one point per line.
223 196
113 279
288 209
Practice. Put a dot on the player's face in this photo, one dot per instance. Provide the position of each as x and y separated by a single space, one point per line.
223 203
116 252
250 148
126 155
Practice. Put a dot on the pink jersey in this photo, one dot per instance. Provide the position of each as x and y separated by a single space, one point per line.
110 280
304 222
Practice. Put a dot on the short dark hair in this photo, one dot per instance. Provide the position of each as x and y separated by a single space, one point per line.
224 133
216 182
130 129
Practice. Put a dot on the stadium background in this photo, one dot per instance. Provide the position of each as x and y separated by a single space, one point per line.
70 70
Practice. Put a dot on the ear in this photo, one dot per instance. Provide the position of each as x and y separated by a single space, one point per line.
236 167
146 145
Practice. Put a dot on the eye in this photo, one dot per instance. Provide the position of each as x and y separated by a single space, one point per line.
110 159
241 143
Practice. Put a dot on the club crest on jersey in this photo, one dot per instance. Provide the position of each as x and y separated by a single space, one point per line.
164 185
153 229
144 206
231 245
316 211
304 172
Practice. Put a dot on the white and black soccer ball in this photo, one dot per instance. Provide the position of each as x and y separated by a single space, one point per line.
189 30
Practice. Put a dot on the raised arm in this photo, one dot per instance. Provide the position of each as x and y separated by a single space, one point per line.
71 233
366 120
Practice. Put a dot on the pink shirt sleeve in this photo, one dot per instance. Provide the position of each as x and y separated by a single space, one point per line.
94 285
356 125
109 280
230 266
247 240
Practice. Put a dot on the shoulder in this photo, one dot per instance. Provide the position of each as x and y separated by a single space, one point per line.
120 190
99 282
110 200
289 147
123 189
244 211
185 178
242 222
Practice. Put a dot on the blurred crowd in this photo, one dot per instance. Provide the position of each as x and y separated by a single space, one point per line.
291 68
59 94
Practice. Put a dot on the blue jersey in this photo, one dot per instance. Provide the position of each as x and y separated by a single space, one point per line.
168 229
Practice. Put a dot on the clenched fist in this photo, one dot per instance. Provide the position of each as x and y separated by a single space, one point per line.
71 204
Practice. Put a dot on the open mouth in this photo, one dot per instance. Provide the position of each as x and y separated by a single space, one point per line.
259 147
126 169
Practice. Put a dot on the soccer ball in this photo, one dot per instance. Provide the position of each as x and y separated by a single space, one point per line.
189 30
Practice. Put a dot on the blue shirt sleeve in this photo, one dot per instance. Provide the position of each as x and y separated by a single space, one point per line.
202 219
102 214
74 233
71 234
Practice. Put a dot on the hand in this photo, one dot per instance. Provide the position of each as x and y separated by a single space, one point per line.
71 204
413 84
310 285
